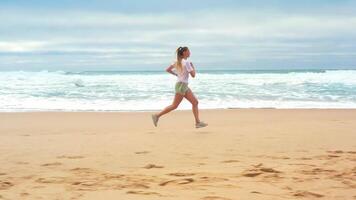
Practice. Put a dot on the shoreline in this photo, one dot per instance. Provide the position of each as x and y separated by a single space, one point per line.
183 110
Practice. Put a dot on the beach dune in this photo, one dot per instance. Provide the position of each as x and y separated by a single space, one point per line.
242 154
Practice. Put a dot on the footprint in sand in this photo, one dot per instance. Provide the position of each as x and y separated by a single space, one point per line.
4 185
307 194
52 164
82 171
259 169
251 174
51 180
255 192
304 158
339 153
199 164
142 152
335 151
274 157
38 186
24 194
351 184
85 183
91 179
210 179
269 170
280 157
327 157
70 157
181 174
142 192
333 156
287 188
317 171
258 165
150 166
302 164
177 182
230 161
135 186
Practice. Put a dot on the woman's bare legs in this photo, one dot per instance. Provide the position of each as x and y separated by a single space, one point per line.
177 99
194 101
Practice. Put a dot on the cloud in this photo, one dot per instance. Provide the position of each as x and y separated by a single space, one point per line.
219 37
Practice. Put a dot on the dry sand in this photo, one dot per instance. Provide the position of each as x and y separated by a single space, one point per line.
242 154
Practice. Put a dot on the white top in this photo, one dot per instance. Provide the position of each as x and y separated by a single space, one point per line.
184 76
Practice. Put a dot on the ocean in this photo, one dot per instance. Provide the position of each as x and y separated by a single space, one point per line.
153 90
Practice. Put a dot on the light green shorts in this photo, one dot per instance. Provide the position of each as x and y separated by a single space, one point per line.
181 88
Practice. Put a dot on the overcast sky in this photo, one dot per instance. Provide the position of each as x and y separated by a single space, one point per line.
134 34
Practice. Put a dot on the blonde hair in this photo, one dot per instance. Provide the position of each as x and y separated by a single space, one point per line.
178 64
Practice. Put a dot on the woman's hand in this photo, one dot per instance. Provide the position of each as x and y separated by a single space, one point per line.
170 70
192 73
192 65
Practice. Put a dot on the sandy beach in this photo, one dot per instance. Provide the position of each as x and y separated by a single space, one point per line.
242 154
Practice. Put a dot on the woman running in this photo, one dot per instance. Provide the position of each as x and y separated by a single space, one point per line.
183 68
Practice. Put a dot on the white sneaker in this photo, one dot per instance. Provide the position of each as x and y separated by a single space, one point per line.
155 119
201 125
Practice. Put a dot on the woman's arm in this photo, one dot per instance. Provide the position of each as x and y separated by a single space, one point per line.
170 70
192 73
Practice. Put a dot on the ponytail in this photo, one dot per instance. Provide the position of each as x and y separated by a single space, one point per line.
179 52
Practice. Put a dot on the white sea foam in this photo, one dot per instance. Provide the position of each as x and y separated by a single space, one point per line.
126 91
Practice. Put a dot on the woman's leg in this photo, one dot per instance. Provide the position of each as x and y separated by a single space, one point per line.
194 101
177 99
